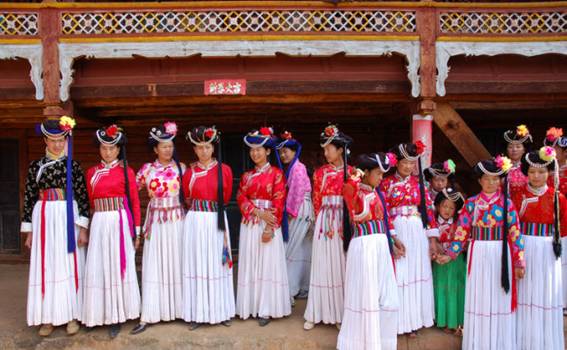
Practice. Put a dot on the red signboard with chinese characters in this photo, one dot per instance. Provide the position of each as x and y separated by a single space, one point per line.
225 87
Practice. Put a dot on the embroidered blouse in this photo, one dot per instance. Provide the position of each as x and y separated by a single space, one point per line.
447 230
47 173
483 214
298 186
516 179
201 182
327 181
266 183
562 180
160 180
107 181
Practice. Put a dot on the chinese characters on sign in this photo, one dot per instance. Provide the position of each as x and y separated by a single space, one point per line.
225 87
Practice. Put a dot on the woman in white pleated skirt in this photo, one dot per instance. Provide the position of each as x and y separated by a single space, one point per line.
162 296
112 295
57 257
208 286
326 285
371 294
263 289
540 300
298 217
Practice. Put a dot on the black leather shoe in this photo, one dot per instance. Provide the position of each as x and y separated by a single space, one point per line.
114 330
226 323
263 321
139 328
194 325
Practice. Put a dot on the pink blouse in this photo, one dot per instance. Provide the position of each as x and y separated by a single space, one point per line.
298 185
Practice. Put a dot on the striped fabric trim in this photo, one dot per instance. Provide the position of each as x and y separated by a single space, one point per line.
537 229
109 204
202 205
262 203
52 194
332 202
406 210
165 203
369 228
487 234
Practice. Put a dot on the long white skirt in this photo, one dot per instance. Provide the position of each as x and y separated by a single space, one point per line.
162 295
371 297
490 323
62 302
540 301
108 298
263 288
326 285
298 249
208 290
564 269
414 276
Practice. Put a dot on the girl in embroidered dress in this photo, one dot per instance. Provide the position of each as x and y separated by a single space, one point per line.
263 289
208 289
490 221
326 286
162 297
439 176
55 219
371 295
543 218
518 142
112 295
554 138
449 279
411 210
297 217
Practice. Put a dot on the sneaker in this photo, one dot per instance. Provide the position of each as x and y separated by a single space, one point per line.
302 294
226 323
139 328
45 330
73 327
114 330
263 321
308 325
194 325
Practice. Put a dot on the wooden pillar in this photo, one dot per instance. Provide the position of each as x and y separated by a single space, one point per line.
49 29
422 122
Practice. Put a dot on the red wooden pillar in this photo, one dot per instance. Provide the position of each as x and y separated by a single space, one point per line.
422 122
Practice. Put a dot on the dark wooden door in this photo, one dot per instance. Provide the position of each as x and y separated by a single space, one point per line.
9 197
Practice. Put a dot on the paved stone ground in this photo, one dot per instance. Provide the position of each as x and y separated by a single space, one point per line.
282 334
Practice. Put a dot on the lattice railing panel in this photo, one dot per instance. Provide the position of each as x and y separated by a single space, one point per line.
97 23
503 23
18 23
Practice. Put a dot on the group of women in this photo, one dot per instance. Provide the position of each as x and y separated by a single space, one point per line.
357 242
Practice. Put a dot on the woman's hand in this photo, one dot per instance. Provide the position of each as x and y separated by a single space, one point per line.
434 248
28 242
442 259
519 272
137 243
83 237
399 248
268 234
266 215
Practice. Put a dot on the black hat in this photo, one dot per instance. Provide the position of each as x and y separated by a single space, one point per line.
203 135
409 151
162 133
333 135
499 166
111 135
445 169
545 157
520 134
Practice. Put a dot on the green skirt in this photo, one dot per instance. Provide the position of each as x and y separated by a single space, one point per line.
449 289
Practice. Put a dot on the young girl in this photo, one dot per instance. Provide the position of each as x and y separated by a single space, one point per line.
55 220
162 298
411 210
449 279
371 294
111 294
263 289
297 218
518 142
439 176
490 221
325 300
543 217
208 288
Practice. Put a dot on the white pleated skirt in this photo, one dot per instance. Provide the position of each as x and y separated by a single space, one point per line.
298 248
62 302
371 297
564 269
108 298
540 299
490 323
208 289
263 289
414 276
326 285
162 294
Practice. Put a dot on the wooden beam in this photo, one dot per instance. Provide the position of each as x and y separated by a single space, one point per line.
460 135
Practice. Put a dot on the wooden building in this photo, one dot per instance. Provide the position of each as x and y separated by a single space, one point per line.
385 71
